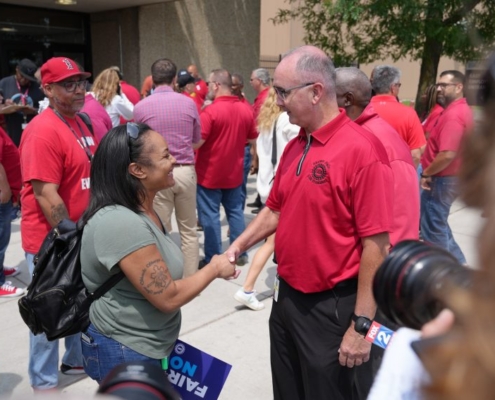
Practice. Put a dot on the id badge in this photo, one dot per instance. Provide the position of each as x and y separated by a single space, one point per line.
23 126
276 286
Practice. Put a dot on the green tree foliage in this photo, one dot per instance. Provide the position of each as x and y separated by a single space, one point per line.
367 31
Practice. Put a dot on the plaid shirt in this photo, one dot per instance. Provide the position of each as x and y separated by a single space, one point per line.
175 117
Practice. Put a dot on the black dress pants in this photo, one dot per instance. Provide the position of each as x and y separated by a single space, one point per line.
306 331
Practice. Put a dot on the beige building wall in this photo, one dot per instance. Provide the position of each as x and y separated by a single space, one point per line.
278 39
209 33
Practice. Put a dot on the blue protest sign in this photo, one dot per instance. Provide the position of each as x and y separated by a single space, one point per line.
195 374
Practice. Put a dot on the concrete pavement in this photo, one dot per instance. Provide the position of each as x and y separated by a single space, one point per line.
213 322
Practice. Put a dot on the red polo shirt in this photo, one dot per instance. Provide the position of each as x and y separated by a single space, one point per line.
406 189
226 125
338 193
9 159
446 135
402 118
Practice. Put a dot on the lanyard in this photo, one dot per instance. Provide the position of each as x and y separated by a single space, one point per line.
24 95
81 139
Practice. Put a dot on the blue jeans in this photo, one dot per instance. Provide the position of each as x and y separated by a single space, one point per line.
43 354
435 209
209 201
101 354
247 167
5 230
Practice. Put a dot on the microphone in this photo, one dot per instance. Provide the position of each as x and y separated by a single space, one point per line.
373 332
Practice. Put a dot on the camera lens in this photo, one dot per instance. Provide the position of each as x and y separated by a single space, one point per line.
138 380
408 284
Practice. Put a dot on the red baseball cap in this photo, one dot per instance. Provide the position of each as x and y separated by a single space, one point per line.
57 69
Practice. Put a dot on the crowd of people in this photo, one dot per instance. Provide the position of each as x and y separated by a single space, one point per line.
337 158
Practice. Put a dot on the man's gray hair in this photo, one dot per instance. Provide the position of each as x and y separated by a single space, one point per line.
314 67
263 75
384 76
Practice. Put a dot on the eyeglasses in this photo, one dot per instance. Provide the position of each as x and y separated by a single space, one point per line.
398 84
284 93
71 86
132 130
444 85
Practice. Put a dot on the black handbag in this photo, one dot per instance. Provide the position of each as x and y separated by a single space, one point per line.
57 302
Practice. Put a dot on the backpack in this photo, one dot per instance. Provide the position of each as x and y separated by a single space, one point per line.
57 302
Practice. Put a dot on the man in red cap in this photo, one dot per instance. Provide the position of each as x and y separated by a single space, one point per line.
56 151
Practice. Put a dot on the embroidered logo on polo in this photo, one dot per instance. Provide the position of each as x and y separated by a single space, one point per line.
319 172
68 63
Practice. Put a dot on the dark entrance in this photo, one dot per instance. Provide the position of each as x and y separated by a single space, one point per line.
39 34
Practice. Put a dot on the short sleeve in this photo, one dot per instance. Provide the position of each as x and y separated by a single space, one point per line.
451 135
118 234
36 151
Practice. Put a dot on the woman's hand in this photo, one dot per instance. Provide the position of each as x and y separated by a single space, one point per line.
225 269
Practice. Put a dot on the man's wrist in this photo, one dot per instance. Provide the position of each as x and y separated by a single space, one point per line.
425 176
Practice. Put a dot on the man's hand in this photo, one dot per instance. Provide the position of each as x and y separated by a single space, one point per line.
354 350
232 253
425 183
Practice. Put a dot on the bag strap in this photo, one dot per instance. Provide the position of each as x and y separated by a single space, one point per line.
274 144
107 285
87 121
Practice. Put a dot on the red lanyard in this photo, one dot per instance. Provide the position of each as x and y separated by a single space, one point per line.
23 95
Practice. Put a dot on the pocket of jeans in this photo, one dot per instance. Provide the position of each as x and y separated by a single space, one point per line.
91 362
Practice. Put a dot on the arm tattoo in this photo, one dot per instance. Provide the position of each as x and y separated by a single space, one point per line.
155 277
58 213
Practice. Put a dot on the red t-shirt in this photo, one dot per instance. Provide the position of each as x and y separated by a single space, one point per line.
258 102
344 192
9 158
201 89
226 124
402 118
51 153
455 121
431 120
197 101
130 92
406 189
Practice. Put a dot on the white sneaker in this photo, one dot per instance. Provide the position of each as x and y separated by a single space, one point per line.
7 290
249 299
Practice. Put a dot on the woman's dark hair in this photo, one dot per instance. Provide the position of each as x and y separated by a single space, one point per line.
111 182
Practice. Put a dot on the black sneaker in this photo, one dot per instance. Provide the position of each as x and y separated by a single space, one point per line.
68 370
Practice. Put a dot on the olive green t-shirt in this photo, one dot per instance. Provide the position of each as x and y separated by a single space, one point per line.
123 313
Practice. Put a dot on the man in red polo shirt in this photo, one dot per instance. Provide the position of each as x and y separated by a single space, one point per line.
330 206
226 125
441 163
354 95
386 85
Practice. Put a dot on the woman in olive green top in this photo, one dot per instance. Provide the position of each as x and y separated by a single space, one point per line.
139 318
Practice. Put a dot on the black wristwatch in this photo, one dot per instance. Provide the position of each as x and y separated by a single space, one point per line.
361 324
425 176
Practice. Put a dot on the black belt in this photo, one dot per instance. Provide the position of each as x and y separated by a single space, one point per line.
347 284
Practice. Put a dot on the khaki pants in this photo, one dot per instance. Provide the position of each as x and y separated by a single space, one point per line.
182 197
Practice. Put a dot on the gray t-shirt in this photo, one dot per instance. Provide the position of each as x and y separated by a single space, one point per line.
123 313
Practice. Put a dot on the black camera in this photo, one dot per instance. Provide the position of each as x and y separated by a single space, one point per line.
409 284
138 380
